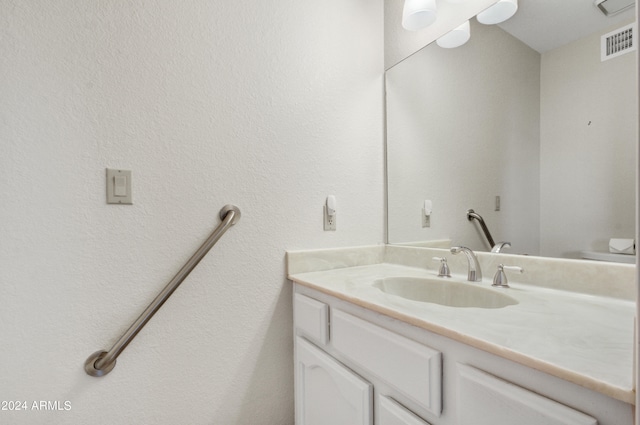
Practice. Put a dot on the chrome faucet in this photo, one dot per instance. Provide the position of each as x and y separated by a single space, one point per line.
475 274
500 246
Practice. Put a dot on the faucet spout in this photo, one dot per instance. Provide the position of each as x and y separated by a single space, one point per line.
500 246
475 274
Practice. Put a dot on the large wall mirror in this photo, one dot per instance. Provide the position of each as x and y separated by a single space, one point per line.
525 111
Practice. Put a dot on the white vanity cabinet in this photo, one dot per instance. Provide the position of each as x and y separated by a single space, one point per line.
357 366
391 412
484 399
327 392
411 371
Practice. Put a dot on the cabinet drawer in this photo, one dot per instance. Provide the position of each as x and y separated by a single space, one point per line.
484 399
412 369
390 412
311 318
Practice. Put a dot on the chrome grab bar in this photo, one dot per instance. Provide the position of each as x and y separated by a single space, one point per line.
102 362
471 214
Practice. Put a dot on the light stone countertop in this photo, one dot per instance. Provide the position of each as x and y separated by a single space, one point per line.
583 338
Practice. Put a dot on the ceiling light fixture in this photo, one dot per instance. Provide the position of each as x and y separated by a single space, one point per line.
456 37
499 12
418 14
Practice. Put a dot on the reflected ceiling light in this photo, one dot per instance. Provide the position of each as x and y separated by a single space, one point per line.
499 12
611 7
456 1
418 14
456 37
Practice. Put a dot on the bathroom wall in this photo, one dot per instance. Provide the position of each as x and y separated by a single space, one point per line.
271 106
463 127
587 148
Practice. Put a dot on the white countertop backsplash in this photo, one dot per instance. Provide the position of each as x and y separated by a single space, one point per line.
574 320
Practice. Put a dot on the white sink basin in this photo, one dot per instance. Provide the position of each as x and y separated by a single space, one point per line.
444 292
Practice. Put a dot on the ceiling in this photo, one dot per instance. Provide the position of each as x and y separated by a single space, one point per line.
546 24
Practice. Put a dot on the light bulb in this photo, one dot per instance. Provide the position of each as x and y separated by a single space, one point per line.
456 37
418 14
499 12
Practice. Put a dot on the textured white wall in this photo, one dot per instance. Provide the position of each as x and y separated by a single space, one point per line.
587 148
460 143
267 105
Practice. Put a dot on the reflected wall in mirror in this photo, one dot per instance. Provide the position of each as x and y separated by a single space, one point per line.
553 134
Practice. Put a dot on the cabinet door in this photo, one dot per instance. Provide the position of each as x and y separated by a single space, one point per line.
391 412
327 393
484 399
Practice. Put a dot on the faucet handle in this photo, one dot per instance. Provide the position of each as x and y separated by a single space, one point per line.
444 267
500 278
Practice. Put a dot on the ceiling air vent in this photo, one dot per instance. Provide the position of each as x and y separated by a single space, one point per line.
618 42
611 7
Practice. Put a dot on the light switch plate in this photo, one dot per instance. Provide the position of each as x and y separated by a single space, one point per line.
119 187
